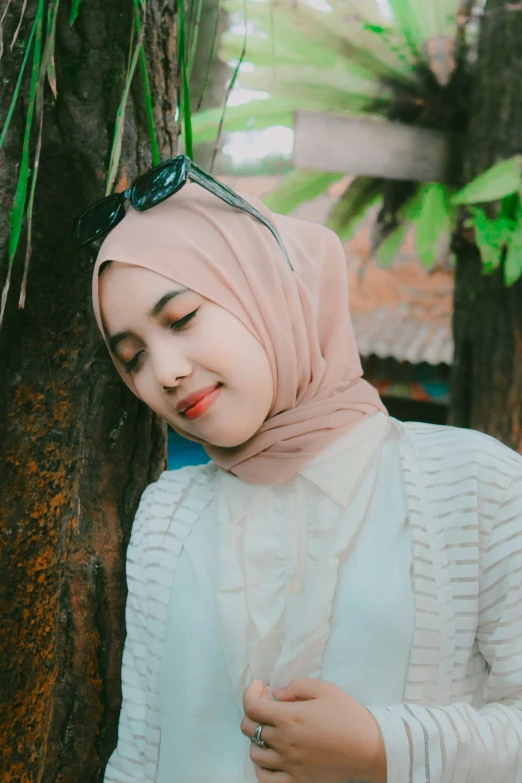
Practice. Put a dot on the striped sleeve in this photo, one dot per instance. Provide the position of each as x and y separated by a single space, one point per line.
127 763
457 743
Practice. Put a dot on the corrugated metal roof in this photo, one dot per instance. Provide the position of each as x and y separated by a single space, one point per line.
403 312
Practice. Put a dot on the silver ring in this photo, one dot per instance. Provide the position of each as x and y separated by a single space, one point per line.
256 738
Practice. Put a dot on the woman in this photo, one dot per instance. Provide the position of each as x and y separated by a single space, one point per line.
340 589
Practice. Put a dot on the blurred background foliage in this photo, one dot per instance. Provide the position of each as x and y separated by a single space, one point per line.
246 66
403 61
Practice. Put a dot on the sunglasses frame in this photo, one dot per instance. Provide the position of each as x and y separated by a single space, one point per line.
188 171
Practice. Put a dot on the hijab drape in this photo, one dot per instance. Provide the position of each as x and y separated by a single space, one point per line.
300 317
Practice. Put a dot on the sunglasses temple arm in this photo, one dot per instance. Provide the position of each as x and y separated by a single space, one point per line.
234 199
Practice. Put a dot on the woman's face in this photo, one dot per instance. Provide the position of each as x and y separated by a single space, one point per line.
182 350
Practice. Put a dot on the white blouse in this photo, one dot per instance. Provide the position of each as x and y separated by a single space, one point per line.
277 582
459 719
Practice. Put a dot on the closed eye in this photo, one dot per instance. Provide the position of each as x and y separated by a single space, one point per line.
180 323
133 364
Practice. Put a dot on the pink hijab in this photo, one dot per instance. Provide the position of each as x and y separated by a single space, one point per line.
301 318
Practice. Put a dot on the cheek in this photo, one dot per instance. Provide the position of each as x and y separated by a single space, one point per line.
252 369
147 390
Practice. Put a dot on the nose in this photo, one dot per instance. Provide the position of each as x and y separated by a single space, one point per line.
171 366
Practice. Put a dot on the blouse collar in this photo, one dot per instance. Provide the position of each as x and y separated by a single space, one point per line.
336 470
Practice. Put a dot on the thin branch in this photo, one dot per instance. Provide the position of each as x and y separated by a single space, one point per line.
230 88
15 36
2 28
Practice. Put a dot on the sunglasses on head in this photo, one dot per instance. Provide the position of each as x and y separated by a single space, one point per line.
152 188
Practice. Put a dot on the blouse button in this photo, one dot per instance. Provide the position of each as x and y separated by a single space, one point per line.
294 586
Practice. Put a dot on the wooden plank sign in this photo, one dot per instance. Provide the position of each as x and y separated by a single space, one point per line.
375 148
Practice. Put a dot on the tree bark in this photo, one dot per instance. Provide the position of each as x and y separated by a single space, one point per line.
77 448
486 389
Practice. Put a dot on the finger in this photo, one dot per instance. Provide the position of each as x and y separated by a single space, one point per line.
266 758
248 727
300 690
272 776
256 688
261 710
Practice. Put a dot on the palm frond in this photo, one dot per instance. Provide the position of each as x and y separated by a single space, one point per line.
255 115
318 36
335 88
298 186
433 224
361 194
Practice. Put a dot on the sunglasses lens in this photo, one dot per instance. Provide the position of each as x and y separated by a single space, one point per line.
159 184
99 219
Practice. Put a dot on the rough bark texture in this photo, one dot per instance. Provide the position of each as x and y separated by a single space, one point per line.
487 373
77 449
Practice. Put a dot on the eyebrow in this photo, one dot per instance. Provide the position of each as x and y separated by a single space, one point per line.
165 299
116 339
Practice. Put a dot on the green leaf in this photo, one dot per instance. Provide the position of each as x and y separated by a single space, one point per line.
324 86
230 88
419 21
316 36
513 263
388 250
75 7
147 93
408 214
259 51
16 92
193 25
492 237
360 195
17 214
255 115
120 115
434 222
185 91
18 211
500 180
217 12
298 186
50 44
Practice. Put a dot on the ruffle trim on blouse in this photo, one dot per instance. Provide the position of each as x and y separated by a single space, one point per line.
265 632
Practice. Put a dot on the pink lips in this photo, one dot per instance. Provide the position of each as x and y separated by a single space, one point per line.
196 404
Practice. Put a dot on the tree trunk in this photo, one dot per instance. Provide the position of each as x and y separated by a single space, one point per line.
77 448
486 391
208 82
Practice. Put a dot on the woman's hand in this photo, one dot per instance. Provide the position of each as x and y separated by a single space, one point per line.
315 732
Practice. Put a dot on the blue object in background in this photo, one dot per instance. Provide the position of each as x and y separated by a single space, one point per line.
183 452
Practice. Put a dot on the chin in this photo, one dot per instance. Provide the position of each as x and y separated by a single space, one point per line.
227 437
227 441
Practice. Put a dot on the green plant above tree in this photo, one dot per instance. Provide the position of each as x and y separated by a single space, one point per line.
413 66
